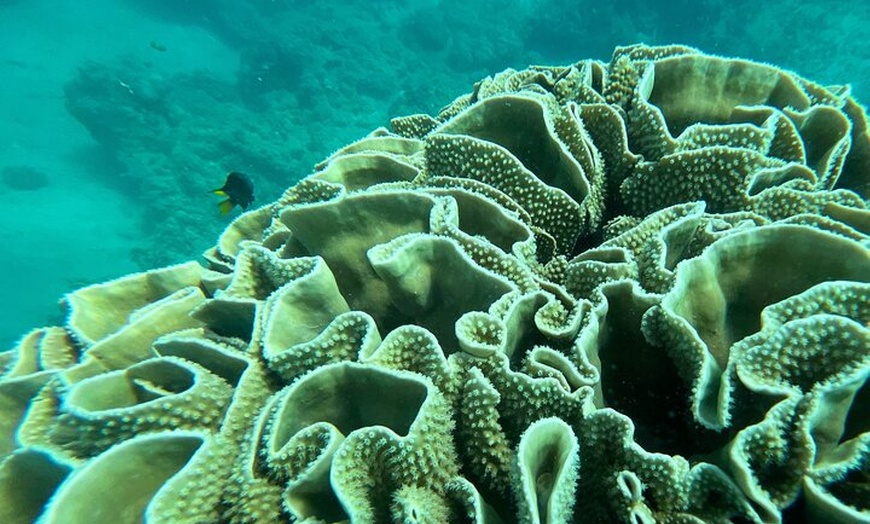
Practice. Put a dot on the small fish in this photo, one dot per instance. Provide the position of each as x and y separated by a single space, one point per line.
239 189
157 46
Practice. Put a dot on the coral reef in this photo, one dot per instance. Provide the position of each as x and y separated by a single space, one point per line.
303 86
159 130
633 291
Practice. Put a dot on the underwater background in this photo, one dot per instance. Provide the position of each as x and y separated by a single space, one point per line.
118 116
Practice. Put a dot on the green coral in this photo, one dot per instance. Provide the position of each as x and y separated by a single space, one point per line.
347 437
623 292
548 460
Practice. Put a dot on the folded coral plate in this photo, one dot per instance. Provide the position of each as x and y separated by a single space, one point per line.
635 291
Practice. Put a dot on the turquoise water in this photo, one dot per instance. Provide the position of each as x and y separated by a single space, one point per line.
117 117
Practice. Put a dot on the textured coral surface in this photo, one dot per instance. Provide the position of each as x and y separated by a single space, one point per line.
633 291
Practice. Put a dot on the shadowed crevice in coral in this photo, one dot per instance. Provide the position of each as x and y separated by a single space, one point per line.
640 380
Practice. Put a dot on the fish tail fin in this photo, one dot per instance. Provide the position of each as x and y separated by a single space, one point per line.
220 192
226 206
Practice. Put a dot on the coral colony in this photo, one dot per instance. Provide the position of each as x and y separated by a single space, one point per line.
633 291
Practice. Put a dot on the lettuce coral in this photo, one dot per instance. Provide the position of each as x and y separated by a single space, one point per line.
623 292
